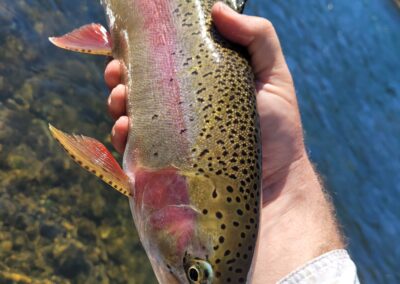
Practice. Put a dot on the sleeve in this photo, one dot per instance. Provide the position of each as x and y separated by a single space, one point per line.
333 267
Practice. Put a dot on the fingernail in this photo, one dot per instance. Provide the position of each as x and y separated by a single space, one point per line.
113 132
109 100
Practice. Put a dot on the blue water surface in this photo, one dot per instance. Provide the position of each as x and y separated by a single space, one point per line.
345 60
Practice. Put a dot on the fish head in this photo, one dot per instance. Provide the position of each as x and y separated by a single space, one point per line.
183 261
193 227
192 271
171 227
226 227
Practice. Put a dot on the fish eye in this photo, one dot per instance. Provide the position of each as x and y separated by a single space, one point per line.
193 273
199 272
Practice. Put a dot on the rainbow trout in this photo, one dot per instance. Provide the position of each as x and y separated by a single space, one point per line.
192 163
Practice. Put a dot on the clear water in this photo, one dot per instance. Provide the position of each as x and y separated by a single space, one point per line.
58 224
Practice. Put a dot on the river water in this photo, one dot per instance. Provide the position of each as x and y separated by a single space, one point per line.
58 224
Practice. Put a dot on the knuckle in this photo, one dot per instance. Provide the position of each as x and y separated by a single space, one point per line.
265 26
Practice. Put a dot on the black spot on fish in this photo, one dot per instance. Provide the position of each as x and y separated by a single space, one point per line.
229 189
204 152
230 261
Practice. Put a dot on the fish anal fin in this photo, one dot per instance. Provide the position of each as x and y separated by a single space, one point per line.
95 158
91 39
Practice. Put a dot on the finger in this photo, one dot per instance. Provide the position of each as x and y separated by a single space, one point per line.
119 134
256 33
112 74
117 101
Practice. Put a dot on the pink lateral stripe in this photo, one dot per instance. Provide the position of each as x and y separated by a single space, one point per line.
161 37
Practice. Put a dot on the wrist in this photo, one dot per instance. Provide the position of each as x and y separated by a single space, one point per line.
297 223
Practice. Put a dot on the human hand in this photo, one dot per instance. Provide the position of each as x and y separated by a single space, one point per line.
297 221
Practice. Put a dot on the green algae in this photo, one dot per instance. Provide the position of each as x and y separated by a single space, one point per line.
58 224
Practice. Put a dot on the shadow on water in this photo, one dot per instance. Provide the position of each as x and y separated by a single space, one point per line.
58 224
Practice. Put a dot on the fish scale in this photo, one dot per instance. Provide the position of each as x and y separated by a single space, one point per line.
192 163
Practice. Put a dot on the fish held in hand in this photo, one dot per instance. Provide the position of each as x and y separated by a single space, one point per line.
192 163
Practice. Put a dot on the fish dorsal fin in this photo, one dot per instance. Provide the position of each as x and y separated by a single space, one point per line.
94 157
237 5
92 39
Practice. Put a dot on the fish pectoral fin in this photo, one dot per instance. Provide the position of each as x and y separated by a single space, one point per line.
91 38
94 157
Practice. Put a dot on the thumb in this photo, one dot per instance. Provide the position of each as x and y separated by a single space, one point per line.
255 33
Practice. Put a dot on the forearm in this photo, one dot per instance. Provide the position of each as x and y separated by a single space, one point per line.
298 224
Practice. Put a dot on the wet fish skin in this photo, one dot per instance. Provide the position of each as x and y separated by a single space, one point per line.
192 163
196 115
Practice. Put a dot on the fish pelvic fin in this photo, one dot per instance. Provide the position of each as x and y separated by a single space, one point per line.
94 157
91 39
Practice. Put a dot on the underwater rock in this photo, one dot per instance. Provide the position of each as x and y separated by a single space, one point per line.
50 212
86 230
21 221
6 246
7 209
71 261
19 242
50 230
